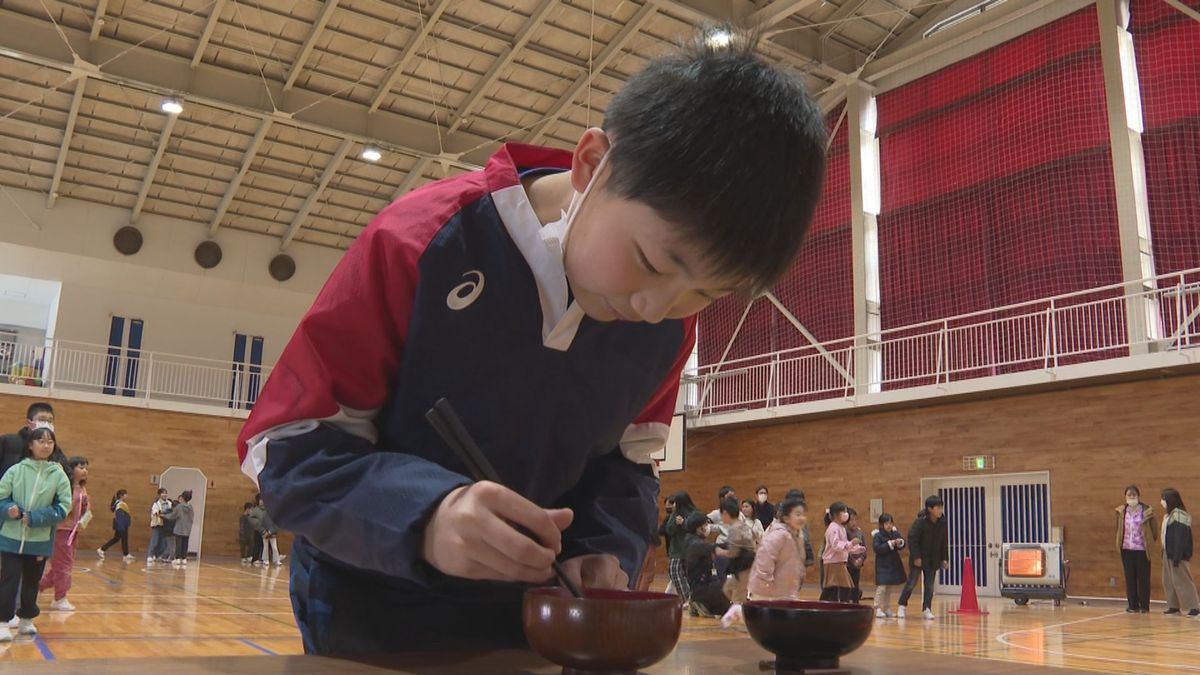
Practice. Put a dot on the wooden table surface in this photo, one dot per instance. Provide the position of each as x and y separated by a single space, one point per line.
703 657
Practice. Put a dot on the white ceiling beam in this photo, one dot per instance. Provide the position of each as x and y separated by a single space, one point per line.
410 51
996 26
843 13
916 31
213 17
603 59
327 175
414 175
1184 8
792 46
98 20
164 137
232 188
519 41
309 43
777 11
68 132
35 41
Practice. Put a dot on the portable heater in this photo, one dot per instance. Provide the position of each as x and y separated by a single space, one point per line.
1033 571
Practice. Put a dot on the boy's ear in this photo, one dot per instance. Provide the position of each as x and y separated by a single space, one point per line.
590 150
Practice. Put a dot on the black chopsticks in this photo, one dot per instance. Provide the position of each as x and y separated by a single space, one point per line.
447 424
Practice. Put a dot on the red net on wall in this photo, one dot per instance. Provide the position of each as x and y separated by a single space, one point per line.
997 189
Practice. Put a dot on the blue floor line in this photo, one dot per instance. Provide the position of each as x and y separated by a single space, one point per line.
44 649
260 648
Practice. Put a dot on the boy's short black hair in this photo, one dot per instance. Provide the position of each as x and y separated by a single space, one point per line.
932 501
790 504
247 505
725 489
731 507
39 407
694 521
186 495
725 146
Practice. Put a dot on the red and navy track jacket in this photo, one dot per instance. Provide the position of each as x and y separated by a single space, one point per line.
451 292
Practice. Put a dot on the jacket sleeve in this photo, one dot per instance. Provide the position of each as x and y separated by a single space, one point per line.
615 501
914 538
6 488
311 440
880 543
56 512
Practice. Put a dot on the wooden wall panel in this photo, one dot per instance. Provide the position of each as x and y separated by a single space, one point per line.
1093 441
125 446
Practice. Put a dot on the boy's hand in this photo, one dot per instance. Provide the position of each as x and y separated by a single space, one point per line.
473 534
596 571
916 562
14 512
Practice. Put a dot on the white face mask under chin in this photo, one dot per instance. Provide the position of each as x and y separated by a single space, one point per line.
555 234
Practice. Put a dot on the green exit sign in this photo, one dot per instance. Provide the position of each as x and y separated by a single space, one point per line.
979 462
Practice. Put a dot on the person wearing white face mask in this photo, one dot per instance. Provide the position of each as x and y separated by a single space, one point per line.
764 510
1135 531
39 415
559 339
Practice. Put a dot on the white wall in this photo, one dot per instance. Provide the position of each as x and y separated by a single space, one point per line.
186 309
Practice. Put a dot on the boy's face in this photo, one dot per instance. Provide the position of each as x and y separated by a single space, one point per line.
936 511
624 261
889 526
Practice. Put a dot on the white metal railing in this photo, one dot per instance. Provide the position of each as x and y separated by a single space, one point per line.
1042 334
154 376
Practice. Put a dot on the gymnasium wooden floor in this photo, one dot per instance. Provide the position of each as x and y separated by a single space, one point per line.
221 608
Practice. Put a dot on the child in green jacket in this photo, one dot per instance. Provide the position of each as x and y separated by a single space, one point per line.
35 495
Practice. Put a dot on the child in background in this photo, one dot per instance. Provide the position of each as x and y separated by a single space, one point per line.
181 518
856 561
246 534
120 525
929 551
66 536
708 598
889 570
677 544
270 538
158 529
742 544
257 514
838 586
778 569
756 527
34 496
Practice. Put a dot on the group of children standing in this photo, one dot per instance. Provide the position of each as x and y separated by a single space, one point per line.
258 535
746 561
43 506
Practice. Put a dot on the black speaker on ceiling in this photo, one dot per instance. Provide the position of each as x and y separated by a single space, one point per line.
208 254
282 267
128 240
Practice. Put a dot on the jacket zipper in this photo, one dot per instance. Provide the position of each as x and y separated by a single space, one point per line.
25 526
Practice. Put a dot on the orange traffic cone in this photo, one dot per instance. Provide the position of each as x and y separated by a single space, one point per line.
968 603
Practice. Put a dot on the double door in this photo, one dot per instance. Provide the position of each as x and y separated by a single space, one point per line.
983 512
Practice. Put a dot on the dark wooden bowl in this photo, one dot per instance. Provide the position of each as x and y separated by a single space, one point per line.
806 635
603 632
